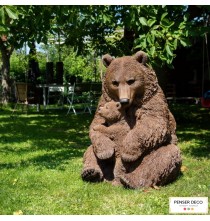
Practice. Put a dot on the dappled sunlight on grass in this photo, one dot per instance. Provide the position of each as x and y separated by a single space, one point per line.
193 130
41 162
42 140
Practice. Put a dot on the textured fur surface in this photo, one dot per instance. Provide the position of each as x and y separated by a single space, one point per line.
136 148
115 127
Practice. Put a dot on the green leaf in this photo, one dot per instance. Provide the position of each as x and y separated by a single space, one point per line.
151 22
11 13
141 42
150 39
163 15
152 50
2 29
162 57
175 44
105 18
144 43
182 25
155 27
168 50
186 17
183 43
143 21
2 15
166 23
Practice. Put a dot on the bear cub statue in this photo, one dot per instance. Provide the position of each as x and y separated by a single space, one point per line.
133 132
115 127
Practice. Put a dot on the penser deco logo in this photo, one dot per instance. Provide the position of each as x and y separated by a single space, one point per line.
188 205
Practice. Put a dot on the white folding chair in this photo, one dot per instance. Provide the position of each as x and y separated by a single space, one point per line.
70 99
79 97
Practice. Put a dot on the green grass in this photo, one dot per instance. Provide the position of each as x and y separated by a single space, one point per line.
41 161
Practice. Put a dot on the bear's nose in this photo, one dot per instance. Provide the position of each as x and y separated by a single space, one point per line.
124 100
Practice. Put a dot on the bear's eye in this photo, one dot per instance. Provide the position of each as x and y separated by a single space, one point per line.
130 81
115 83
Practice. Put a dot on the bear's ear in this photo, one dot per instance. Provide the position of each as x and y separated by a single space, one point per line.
141 57
107 59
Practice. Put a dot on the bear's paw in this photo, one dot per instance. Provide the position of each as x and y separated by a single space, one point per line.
92 175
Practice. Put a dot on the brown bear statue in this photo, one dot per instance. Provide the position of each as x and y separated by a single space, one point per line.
144 148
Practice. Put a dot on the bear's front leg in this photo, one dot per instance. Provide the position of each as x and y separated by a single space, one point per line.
131 149
148 134
103 146
91 170
100 128
110 131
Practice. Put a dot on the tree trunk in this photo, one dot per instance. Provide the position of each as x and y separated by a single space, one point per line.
5 73
128 39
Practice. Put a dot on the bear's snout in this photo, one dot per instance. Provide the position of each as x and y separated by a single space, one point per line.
124 101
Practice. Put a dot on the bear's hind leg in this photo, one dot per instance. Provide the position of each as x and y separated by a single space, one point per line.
160 167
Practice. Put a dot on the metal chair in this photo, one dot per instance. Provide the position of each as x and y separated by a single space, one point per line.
79 98
25 96
55 94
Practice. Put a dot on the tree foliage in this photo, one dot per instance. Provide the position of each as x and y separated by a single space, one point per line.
115 29
18 27
86 68
160 35
18 66
120 30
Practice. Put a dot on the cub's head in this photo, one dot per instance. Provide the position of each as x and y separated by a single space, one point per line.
124 81
111 111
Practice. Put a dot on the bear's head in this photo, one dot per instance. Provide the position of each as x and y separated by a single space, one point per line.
128 80
111 111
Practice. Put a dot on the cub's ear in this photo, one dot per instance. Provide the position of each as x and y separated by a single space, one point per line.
107 59
118 105
141 57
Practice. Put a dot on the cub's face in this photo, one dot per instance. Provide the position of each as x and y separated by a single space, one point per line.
110 111
125 80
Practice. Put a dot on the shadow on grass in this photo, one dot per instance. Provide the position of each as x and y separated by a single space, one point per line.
49 161
48 139
193 129
200 147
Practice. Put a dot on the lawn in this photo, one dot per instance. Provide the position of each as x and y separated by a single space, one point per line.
41 161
